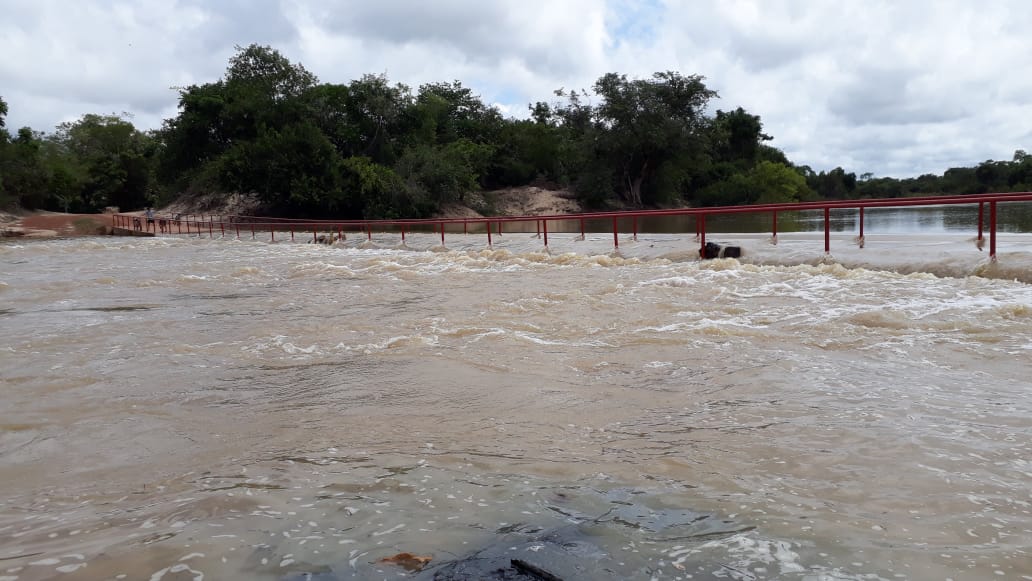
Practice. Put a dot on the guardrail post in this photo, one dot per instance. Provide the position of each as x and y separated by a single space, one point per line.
827 230
291 232
616 240
489 234
442 234
992 231
774 228
252 230
981 219
635 222
582 229
538 224
272 233
700 228
237 226
211 228
544 224
369 232
315 235
861 240
222 226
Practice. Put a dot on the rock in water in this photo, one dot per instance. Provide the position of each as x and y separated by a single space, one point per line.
732 252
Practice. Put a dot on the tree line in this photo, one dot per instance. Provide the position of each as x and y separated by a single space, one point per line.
373 149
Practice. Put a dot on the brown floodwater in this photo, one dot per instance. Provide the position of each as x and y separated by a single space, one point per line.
181 408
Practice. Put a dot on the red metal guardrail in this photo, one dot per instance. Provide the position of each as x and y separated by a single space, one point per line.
198 224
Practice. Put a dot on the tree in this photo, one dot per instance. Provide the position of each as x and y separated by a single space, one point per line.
375 191
993 175
262 72
446 112
835 184
775 183
738 135
647 122
377 109
112 158
195 137
227 132
295 170
262 88
445 173
1021 172
22 173
5 199
327 107
524 151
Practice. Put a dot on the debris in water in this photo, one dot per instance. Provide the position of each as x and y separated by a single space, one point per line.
407 561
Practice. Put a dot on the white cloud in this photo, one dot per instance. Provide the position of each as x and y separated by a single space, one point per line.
893 88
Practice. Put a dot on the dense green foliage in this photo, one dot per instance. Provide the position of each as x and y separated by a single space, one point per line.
95 162
374 149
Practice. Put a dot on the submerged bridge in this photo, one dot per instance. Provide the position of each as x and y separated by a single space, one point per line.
626 222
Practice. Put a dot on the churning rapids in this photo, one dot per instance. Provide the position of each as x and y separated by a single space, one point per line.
191 409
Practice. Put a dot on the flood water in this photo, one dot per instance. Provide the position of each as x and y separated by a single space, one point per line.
182 408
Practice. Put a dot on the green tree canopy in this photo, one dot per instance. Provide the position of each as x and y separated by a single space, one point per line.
648 122
369 147
775 183
738 136
113 159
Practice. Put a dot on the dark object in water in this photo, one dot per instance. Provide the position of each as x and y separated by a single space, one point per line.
714 250
533 570
571 552
563 554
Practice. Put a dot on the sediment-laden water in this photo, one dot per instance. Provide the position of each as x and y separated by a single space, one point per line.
177 408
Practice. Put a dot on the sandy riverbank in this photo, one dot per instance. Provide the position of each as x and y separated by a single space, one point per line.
54 224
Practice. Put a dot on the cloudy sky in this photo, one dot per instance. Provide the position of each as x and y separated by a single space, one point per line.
893 88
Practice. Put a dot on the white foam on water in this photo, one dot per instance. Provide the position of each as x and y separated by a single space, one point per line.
742 553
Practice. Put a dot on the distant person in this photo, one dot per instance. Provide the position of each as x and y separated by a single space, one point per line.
150 218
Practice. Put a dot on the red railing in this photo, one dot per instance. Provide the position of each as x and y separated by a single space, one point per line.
198 224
